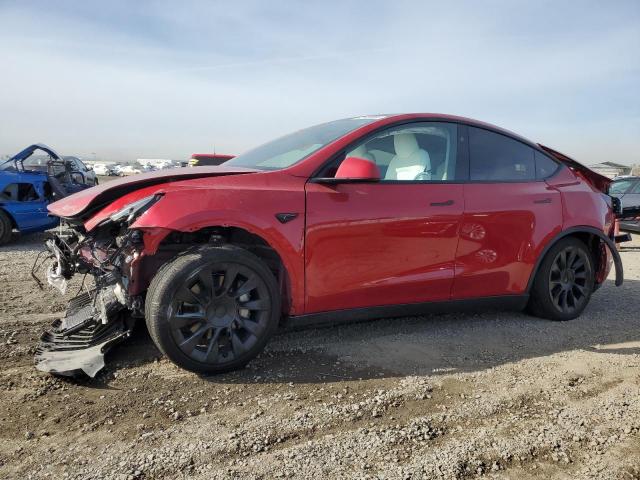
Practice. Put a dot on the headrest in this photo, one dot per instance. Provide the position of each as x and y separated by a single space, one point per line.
360 151
405 144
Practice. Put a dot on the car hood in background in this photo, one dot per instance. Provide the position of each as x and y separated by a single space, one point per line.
82 204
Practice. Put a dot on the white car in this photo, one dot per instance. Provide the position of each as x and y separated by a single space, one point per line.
130 170
102 169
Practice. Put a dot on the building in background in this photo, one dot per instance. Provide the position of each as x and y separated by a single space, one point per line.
611 169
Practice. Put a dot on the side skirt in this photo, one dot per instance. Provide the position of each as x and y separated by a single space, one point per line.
507 302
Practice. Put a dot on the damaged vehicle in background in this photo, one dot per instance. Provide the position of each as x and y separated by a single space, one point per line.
627 189
29 181
373 216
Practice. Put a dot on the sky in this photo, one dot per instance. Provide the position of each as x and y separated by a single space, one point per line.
121 80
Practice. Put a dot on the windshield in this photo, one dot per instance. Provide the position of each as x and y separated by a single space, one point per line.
285 151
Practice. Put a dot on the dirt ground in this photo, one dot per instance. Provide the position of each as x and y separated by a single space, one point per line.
488 394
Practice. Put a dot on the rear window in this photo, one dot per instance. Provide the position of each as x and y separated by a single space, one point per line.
496 157
545 167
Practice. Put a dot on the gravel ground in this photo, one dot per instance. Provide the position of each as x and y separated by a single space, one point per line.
494 394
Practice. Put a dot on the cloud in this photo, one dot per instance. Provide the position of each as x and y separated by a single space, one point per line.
135 79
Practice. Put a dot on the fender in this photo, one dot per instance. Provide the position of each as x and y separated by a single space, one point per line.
287 240
617 261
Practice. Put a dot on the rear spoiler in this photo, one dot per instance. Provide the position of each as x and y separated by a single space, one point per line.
600 182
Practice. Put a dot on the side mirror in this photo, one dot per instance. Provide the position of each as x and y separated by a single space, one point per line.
354 170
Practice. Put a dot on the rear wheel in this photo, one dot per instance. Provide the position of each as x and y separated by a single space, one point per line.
5 228
564 282
213 310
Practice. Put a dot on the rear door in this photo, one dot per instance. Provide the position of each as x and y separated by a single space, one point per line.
391 242
510 213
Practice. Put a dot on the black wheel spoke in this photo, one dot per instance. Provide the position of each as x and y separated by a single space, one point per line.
562 260
186 295
230 276
563 300
192 341
246 287
258 304
211 355
181 320
205 280
252 327
237 344
571 301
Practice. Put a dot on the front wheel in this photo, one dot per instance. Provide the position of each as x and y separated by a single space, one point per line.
214 309
564 282
5 228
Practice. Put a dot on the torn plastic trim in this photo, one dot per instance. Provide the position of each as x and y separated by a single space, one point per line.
93 323
55 275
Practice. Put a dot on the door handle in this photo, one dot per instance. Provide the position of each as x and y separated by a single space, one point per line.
544 200
442 204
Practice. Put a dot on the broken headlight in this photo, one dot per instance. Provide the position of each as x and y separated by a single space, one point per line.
133 210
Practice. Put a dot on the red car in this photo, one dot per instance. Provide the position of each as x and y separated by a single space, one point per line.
358 218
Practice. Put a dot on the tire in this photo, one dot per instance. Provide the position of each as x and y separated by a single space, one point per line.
563 293
6 227
212 310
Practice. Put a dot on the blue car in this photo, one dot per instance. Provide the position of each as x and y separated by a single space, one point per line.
29 181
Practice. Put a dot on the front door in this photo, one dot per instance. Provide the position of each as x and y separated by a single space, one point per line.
391 242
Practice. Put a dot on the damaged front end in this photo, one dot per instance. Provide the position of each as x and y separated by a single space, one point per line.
105 312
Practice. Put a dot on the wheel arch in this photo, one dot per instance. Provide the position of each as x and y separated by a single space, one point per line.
12 219
589 235
256 242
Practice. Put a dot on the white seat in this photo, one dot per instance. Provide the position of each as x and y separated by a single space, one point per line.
361 152
410 161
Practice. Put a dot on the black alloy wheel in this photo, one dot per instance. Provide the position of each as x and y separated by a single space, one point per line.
568 279
219 313
564 281
213 310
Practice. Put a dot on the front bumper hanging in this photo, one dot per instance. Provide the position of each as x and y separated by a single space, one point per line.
78 342
94 321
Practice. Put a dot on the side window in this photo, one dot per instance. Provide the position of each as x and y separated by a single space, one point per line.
620 186
545 167
421 151
496 157
636 188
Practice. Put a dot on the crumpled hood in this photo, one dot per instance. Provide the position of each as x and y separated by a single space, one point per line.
80 205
